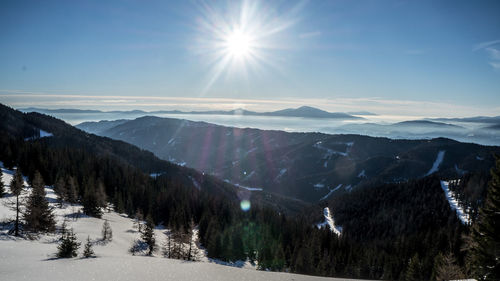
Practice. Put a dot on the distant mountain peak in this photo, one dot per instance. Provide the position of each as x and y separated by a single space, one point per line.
311 112
306 107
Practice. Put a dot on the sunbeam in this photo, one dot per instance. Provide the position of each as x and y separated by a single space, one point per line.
239 39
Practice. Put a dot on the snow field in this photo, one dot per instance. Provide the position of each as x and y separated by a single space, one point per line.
22 259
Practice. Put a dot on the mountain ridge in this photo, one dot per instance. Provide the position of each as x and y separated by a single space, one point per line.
300 165
303 111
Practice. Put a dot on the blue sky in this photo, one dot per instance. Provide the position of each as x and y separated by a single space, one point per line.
432 57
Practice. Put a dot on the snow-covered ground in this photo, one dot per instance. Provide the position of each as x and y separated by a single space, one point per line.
330 192
281 173
330 152
43 134
450 196
362 174
22 259
329 222
437 162
244 187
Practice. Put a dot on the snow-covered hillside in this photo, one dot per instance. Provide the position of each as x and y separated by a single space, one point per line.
22 259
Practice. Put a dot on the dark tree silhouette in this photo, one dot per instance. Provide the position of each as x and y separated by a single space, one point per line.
485 237
2 187
107 232
16 186
148 235
88 252
38 215
69 246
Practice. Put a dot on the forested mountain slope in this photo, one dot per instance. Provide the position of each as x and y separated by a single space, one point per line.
308 166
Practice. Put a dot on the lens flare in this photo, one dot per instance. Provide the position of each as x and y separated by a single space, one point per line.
245 205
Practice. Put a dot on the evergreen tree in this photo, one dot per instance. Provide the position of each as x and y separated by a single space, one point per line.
192 252
107 232
88 252
279 259
64 229
16 186
101 195
38 215
148 235
91 203
238 249
414 270
485 236
447 269
2 187
168 247
138 218
71 191
61 190
69 246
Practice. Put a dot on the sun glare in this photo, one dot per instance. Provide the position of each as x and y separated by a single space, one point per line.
241 38
238 44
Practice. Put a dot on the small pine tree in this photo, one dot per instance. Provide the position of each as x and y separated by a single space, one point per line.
168 247
192 252
69 246
107 232
71 192
16 186
64 229
38 214
414 271
148 235
88 252
485 237
2 187
447 269
101 195
138 220
61 190
90 202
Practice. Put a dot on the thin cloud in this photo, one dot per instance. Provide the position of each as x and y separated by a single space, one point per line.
492 50
494 53
484 45
495 65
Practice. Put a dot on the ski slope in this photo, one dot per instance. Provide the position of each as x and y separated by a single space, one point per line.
23 259
329 222
450 196
437 162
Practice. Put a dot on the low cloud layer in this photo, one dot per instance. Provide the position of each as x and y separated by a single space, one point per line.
384 107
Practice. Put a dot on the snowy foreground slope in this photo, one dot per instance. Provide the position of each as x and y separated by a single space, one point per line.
22 259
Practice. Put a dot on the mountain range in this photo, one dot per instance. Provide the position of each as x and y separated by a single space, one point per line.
306 166
303 111
335 205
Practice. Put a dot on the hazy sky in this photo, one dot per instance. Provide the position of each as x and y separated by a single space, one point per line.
414 57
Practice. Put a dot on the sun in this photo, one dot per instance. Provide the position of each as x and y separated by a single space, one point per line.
241 38
238 44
